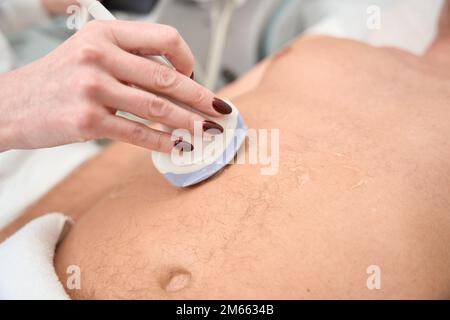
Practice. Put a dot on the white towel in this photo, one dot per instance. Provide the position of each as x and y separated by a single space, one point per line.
26 260
26 175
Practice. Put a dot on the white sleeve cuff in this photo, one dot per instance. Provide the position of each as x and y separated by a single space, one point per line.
16 15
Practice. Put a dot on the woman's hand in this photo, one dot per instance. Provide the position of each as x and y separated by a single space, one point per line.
73 94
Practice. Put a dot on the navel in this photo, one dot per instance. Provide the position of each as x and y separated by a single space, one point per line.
177 281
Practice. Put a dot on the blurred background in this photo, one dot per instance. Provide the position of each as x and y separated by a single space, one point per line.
228 37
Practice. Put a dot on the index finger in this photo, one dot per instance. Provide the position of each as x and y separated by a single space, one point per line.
160 79
154 39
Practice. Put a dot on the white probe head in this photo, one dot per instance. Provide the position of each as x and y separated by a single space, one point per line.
215 155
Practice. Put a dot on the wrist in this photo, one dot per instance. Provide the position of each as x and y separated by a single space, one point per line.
7 130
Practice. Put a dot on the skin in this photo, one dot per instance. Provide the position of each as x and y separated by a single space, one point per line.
73 94
364 180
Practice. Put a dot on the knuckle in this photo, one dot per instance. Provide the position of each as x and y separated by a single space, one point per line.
171 35
89 54
158 108
139 135
86 122
89 85
164 77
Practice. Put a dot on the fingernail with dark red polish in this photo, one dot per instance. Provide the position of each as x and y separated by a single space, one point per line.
183 146
221 106
192 76
212 127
